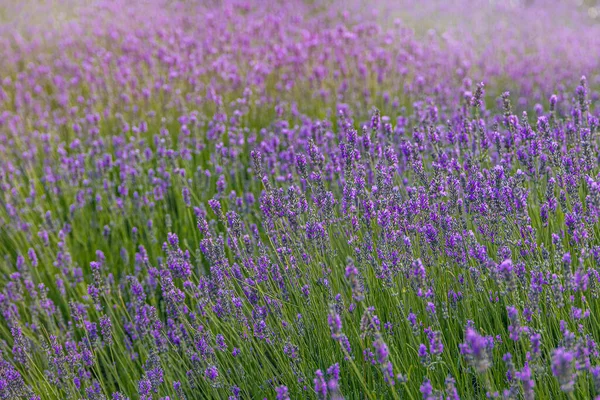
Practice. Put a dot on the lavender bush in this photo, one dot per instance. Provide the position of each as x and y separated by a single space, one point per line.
320 200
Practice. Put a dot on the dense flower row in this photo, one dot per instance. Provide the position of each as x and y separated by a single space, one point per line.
199 201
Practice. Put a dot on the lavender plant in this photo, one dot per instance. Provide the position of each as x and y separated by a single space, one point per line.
238 200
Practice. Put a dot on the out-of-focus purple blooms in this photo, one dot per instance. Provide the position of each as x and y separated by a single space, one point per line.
145 389
514 328
211 373
562 368
320 385
353 277
335 323
428 392
536 341
451 390
477 350
187 198
282 393
424 355
32 257
333 385
526 378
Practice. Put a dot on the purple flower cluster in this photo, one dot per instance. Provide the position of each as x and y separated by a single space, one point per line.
200 197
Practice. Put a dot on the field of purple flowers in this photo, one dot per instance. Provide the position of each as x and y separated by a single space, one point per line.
323 199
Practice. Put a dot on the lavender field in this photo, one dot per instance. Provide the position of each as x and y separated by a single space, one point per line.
319 199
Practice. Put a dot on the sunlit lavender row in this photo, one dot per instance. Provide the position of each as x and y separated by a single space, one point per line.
299 200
